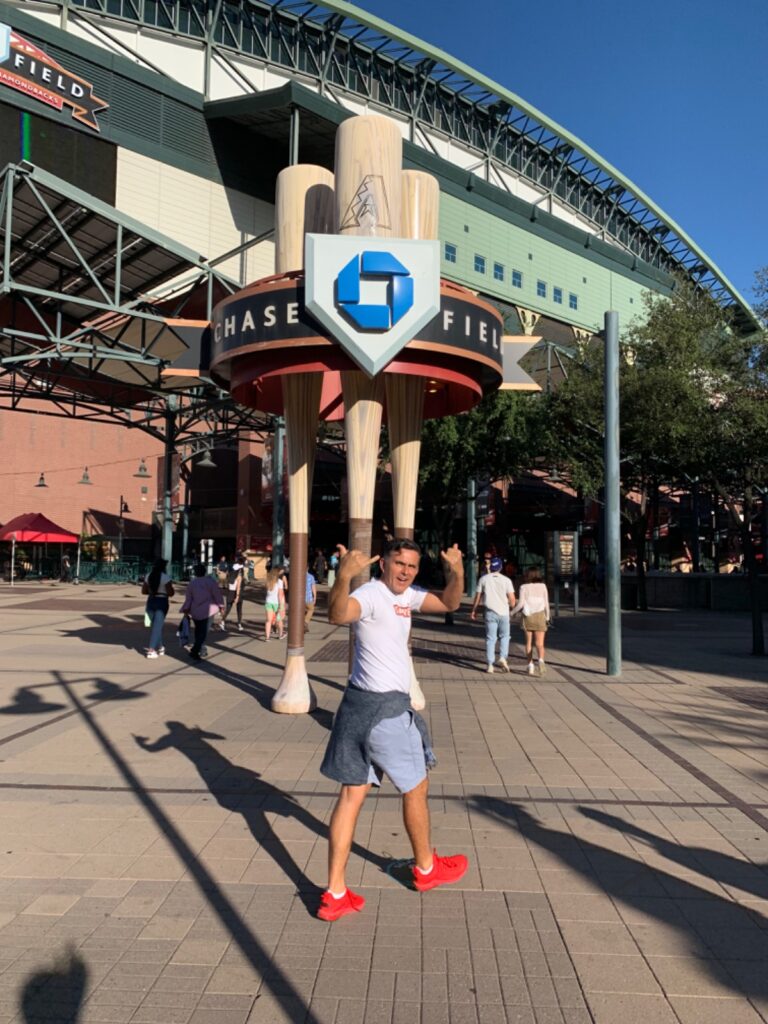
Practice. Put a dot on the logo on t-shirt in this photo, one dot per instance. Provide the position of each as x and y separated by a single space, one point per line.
402 610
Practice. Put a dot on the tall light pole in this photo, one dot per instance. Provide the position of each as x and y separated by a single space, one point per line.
612 495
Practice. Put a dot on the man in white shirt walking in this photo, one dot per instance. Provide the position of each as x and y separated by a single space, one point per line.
375 730
499 595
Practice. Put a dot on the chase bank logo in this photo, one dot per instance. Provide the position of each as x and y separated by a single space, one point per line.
377 268
372 295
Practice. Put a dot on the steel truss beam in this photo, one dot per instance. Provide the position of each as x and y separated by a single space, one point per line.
88 299
348 50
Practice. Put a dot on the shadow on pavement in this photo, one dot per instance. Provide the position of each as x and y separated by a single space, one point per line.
730 940
261 692
55 994
244 791
253 950
721 867
26 701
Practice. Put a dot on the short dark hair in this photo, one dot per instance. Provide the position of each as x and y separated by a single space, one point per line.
201 569
533 575
394 547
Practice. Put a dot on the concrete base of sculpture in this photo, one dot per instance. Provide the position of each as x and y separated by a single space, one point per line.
294 695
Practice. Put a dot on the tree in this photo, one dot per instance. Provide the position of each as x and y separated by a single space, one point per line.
693 405
497 438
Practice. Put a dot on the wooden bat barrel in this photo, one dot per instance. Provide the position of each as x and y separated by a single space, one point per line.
304 202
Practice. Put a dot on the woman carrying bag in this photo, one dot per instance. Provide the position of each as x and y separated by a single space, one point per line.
202 601
159 589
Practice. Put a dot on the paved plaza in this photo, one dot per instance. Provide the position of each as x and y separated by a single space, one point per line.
163 834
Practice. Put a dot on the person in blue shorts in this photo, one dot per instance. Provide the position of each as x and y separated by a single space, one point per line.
375 730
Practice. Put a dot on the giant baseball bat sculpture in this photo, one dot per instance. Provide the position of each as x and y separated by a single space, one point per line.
368 185
405 394
303 202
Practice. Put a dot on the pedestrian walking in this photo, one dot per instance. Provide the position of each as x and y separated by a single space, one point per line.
319 566
498 595
234 591
534 605
310 600
274 603
201 602
333 565
159 589
375 731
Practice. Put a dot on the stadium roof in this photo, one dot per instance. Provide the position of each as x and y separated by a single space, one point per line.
344 49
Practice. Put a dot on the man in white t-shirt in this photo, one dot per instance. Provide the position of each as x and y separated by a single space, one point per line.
375 730
499 595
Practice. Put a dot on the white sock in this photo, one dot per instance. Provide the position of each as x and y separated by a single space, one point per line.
428 871
338 895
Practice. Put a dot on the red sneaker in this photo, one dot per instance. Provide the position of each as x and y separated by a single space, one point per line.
444 871
331 909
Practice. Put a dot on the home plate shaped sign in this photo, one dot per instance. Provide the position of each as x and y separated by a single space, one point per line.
373 295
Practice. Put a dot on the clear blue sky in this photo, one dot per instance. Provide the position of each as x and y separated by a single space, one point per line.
673 93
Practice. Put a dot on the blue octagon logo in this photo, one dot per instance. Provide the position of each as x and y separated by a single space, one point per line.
374 266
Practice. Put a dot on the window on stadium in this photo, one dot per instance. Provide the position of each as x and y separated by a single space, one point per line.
517 279
450 252
541 289
573 301
498 271
479 264
557 295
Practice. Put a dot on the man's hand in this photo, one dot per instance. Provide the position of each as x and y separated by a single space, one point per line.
453 560
352 563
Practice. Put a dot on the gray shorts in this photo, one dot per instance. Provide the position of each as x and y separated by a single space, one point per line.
397 751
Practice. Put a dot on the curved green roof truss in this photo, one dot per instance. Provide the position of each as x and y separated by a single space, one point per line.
345 49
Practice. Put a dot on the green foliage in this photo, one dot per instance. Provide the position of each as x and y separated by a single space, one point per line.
497 438
683 377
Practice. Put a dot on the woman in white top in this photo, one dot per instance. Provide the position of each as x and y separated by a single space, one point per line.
533 601
274 604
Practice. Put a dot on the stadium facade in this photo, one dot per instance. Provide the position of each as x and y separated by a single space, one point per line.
180 115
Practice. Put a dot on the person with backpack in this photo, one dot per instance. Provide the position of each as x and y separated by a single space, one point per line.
234 591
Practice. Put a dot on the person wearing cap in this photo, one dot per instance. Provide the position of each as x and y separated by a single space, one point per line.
498 594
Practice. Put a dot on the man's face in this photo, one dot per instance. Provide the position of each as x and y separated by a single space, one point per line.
399 569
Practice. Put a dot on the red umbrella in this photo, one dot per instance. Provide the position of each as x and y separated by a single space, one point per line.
35 528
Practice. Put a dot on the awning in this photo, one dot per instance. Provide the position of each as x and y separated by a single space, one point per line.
35 528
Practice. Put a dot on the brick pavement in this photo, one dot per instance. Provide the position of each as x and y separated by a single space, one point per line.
162 834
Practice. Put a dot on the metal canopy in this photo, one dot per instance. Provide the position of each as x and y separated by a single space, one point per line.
343 50
101 316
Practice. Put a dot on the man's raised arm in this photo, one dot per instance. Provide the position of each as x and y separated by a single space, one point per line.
449 599
343 609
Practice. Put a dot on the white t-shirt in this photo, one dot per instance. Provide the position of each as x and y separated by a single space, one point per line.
273 595
381 660
496 589
238 568
534 598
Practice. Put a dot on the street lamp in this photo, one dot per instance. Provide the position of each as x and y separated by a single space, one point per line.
121 527
41 482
